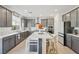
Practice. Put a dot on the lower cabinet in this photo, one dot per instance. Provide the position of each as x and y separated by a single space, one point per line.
8 43
22 36
5 46
18 38
72 42
12 41
75 44
68 40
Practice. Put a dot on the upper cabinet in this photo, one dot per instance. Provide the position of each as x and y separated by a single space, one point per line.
25 23
30 22
9 18
50 21
66 17
5 17
44 22
78 17
74 18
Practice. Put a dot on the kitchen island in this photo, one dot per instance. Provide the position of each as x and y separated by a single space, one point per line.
37 36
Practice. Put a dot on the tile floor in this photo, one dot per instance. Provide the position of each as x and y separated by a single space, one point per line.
21 49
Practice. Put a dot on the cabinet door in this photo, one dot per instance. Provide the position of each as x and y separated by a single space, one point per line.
0 16
78 17
67 17
26 34
25 23
21 36
44 22
6 47
68 40
32 22
12 41
50 22
8 43
75 44
3 17
73 18
9 18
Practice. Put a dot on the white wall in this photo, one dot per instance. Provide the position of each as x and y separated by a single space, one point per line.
58 24
61 24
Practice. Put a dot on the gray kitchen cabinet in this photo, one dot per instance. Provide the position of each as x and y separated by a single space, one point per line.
22 36
8 43
44 22
78 17
9 18
74 18
25 23
50 22
32 22
6 46
28 33
75 44
2 17
12 41
68 40
5 17
67 17
61 38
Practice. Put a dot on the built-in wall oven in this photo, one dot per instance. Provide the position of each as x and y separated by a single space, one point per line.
35 45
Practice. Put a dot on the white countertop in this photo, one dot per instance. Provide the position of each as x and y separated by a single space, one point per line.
73 34
2 35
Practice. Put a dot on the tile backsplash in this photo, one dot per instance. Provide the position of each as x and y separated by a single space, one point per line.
4 30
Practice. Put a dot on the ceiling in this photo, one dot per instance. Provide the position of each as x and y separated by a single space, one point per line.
40 10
